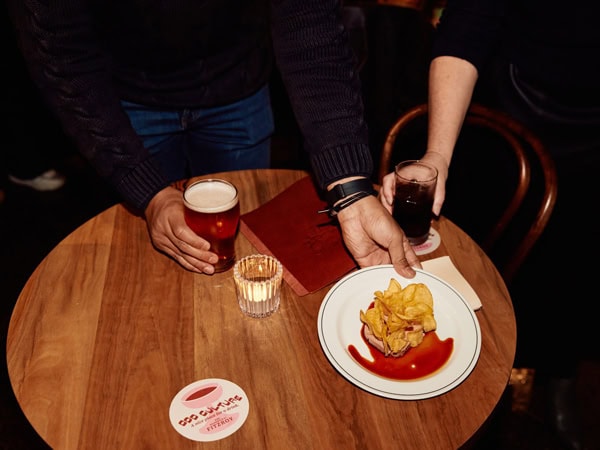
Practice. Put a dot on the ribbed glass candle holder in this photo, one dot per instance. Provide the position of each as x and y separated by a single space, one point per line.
258 284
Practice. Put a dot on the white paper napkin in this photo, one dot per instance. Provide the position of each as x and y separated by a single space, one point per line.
444 268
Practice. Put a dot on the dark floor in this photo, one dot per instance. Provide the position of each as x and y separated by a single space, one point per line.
32 223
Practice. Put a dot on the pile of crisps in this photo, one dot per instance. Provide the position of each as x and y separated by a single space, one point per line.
400 317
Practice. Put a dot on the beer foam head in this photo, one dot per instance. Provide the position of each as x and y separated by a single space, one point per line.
211 196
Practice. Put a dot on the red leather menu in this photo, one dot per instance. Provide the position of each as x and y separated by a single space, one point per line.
308 244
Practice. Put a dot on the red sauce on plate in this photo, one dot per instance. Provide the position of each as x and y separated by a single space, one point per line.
417 362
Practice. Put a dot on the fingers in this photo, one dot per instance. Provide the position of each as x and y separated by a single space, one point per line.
205 264
403 267
193 252
404 258
200 260
191 264
195 256
386 193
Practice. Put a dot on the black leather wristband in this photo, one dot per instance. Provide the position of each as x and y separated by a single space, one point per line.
345 194
332 211
343 190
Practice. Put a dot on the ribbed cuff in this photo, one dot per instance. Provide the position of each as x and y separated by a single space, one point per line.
141 184
341 162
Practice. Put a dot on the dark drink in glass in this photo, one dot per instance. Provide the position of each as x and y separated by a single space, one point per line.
413 199
212 211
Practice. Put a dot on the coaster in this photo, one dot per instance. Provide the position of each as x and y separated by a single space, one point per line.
209 410
432 243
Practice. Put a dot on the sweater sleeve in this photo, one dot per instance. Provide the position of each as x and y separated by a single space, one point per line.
470 30
319 71
66 62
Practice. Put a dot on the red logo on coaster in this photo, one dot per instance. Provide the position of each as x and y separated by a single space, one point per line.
433 241
208 410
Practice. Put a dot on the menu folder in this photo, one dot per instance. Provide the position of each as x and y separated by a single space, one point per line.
308 244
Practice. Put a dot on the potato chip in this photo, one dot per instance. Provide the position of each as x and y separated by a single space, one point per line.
400 317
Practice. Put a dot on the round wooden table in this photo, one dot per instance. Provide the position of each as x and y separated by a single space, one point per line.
107 331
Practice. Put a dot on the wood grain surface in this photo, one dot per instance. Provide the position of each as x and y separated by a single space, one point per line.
107 331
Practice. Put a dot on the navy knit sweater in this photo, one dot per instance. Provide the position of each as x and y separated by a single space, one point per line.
554 44
87 55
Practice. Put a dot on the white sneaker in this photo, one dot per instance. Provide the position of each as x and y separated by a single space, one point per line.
48 181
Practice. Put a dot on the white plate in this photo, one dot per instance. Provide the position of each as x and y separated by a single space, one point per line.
339 326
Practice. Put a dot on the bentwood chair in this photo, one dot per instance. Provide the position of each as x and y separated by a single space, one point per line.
501 186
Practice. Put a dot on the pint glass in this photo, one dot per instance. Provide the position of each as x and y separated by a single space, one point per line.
212 210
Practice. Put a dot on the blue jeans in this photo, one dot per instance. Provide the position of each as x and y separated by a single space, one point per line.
190 142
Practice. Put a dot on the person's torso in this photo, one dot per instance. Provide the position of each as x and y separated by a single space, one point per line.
186 52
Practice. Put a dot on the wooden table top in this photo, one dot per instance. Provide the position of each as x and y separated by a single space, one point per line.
107 331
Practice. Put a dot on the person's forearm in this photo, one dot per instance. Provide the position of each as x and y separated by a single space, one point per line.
321 78
64 58
451 84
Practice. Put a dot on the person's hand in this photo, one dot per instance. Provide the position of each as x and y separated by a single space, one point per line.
170 234
388 185
373 237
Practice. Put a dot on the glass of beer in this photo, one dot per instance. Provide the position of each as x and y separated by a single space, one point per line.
413 199
212 210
